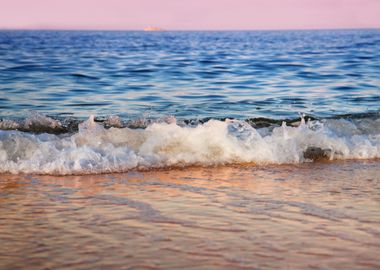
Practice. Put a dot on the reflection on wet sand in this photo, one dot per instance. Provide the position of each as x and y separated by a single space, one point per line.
309 216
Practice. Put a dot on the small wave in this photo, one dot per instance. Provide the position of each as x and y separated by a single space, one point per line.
109 147
84 76
36 123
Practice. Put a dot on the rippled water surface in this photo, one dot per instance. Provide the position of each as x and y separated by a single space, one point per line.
275 74
311 216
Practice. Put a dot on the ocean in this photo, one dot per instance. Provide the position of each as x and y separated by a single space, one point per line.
192 149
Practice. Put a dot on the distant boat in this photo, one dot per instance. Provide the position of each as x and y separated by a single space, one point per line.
153 28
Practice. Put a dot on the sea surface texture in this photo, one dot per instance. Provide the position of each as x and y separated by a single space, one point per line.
83 102
273 74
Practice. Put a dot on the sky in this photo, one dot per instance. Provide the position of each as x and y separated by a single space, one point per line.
189 14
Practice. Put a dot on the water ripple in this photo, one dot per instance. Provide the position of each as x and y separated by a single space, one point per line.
272 74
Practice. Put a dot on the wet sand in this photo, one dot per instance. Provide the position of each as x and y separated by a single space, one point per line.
307 216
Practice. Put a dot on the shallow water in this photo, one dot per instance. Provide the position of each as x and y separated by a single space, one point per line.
273 74
309 216
96 149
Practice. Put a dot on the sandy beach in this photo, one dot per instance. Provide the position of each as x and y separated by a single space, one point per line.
322 215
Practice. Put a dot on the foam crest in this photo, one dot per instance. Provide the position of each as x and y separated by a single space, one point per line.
35 122
95 149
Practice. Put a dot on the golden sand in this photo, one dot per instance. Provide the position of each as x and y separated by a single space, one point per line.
309 216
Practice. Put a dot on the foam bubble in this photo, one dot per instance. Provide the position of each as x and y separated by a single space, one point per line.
95 149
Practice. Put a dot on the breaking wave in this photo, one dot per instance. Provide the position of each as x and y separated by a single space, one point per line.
42 145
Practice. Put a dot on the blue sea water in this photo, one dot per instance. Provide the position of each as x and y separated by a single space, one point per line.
163 99
241 74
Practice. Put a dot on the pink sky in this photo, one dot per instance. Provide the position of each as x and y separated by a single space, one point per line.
189 14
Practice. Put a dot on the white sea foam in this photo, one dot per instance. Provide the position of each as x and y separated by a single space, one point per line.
35 121
94 149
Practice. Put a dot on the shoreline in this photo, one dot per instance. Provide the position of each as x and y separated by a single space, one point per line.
247 165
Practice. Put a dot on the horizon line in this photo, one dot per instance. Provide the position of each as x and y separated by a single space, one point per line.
186 30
